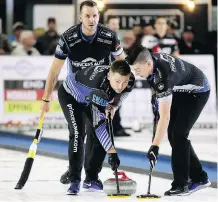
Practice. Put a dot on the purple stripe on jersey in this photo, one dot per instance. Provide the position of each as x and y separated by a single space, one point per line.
107 142
109 146
78 91
103 136
205 88
101 128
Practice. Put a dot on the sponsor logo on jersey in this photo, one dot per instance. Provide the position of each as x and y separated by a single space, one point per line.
159 73
160 86
99 101
97 70
106 33
164 94
72 36
72 44
104 41
171 60
88 62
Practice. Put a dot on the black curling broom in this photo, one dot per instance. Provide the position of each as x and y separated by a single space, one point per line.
118 194
31 155
149 196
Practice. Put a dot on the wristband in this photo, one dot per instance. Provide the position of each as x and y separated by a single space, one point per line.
45 100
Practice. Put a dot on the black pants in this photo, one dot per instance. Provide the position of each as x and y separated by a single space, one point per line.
185 110
79 121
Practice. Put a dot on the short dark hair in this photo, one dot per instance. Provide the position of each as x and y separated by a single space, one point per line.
89 3
138 54
111 17
51 20
121 67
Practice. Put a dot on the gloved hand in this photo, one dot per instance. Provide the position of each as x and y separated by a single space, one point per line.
113 160
153 155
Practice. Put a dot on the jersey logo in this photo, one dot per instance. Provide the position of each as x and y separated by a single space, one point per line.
72 36
72 44
106 34
99 101
96 70
160 86
104 41
88 62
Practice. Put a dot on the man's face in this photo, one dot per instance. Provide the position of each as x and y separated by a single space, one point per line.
128 39
118 82
114 24
161 25
142 69
52 26
29 41
89 17
188 36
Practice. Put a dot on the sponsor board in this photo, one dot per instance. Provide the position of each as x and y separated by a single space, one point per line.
21 92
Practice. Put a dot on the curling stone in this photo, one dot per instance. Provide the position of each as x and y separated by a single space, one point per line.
126 185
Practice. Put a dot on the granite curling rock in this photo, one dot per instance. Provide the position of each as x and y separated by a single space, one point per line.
126 185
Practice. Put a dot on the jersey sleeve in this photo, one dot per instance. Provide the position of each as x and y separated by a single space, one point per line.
101 129
61 51
162 82
116 48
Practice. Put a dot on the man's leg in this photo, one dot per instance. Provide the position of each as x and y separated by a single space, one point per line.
189 111
94 157
72 112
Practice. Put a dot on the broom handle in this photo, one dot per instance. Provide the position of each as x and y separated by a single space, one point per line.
149 181
112 140
117 183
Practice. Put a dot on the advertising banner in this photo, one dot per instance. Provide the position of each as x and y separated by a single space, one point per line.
22 82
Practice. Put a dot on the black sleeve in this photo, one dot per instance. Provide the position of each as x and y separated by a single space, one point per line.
116 48
61 51
162 82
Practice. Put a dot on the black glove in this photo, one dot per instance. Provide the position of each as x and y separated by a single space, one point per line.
153 155
113 160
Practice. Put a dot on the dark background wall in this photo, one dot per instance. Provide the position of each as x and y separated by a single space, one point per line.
23 10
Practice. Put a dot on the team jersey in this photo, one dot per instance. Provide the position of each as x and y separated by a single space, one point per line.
167 44
91 87
82 53
172 74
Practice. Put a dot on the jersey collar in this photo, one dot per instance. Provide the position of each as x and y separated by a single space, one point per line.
87 38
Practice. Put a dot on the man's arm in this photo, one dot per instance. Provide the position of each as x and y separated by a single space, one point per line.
176 53
120 57
164 112
118 100
52 77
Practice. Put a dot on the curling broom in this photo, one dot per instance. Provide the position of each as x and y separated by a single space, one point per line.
31 155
